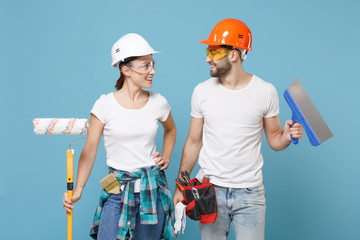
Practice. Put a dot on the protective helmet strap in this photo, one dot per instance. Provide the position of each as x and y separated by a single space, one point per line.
243 53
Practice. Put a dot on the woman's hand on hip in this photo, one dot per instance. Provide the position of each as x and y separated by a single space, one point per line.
161 161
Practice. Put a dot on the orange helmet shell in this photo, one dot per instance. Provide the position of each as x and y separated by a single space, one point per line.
230 32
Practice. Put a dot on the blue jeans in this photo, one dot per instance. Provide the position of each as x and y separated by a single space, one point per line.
110 217
244 208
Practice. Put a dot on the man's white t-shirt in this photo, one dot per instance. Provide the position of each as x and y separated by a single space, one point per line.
233 125
129 134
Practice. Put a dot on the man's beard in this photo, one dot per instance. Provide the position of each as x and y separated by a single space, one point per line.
221 71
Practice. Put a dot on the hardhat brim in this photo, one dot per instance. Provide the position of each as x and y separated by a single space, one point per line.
207 42
114 64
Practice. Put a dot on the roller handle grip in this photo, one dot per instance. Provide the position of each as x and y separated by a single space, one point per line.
70 219
70 187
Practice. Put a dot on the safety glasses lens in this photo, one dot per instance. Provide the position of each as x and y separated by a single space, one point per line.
217 54
144 68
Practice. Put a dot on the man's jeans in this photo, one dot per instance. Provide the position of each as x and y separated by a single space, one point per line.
110 217
244 208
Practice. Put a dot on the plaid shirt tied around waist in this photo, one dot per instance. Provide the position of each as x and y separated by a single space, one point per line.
152 179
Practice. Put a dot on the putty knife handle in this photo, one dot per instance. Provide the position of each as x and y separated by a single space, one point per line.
294 140
295 119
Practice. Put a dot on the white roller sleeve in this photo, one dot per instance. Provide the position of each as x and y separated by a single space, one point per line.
60 125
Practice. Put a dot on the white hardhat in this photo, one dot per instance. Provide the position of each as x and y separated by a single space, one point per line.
130 45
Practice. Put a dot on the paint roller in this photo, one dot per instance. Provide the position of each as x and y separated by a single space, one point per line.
305 113
68 126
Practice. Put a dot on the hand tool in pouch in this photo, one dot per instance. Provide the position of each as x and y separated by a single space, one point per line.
198 201
185 179
50 126
180 184
187 175
305 113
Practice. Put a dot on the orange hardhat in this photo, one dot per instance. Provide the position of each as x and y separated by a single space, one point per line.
230 32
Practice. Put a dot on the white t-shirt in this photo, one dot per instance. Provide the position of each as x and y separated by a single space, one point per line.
129 134
233 124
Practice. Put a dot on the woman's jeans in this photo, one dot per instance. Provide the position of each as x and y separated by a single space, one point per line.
110 217
244 208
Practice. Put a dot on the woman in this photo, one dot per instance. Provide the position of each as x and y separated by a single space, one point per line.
128 120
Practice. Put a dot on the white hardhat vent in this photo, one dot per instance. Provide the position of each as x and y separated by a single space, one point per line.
130 45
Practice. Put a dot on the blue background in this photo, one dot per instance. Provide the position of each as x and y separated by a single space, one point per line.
55 62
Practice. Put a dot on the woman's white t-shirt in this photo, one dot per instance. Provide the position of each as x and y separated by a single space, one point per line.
129 134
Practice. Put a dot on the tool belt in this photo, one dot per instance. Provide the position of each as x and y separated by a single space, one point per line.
200 200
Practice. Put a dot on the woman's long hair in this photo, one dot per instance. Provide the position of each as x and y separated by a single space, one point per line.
121 80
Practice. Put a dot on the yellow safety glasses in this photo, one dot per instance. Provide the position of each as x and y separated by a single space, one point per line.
217 54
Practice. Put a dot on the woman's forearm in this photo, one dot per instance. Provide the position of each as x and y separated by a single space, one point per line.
86 162
168 142
88 154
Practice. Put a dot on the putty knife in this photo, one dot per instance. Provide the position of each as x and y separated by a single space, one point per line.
305 113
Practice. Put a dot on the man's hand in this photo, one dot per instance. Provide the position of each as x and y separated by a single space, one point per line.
295 130
278 138
178 196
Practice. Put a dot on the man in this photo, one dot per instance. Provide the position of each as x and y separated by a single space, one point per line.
228 114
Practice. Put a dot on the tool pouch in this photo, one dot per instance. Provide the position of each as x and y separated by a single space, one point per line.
203 207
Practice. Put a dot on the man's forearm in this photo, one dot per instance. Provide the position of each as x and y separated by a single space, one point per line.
189 156
279 141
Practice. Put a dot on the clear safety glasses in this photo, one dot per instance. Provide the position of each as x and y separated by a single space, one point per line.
217 54
143 68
